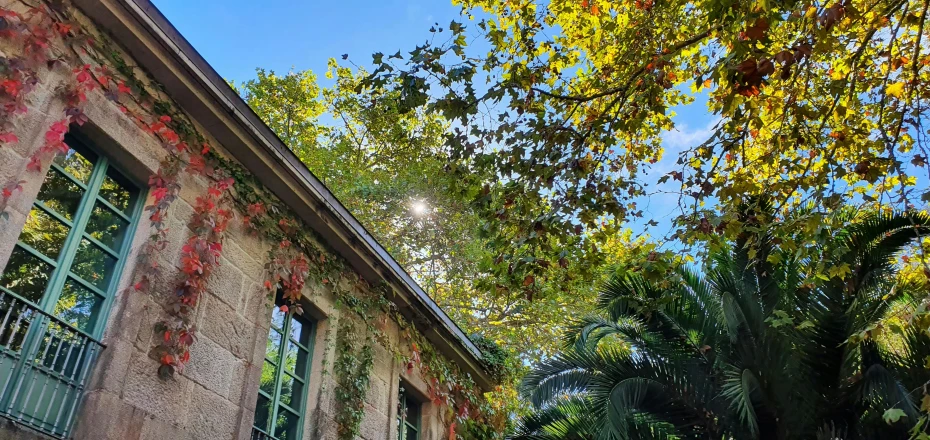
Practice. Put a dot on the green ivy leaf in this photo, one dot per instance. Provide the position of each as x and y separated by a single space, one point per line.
892 415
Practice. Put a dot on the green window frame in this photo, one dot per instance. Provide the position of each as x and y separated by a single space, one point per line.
58 285
409 411
285 376
72 249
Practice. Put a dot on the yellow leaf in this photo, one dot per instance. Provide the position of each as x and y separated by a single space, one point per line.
811 12
896 89
839 271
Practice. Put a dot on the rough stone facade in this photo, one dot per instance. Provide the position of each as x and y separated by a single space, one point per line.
215 395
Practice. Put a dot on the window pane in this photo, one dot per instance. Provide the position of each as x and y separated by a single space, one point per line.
278 317
75 164
286 425
411 433
60 350
93 265
107 227
300 330
43 233
117 194
291 390
266 382
78 306
413 411
295 358
262 412
26 275
273 346
15 316
60 194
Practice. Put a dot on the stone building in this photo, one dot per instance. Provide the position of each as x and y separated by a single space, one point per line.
80 333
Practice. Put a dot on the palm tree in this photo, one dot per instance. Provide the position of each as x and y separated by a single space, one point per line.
749 349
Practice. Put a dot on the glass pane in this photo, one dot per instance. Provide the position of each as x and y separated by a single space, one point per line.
411 433
60 194
278 317
267 380
117 194
300 330
107 227
78 306
286 425
26 275
44 233
295 359
76 165
291 390
262 412
61 350
413 411
273 347
93 265
15 317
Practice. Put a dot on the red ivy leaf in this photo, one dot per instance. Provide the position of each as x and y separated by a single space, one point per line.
186 338
8 138
35 164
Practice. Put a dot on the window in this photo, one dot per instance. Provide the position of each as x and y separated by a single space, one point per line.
285 372
408 415
57 287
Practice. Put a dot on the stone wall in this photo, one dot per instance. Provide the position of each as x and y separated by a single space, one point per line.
215 396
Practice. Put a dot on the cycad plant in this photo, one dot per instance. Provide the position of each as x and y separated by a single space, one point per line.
752 347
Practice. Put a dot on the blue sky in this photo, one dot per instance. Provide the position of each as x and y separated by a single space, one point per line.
236 36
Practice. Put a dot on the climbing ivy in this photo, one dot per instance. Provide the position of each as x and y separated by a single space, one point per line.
354 362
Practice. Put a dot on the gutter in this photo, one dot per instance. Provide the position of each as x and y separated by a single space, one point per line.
164 53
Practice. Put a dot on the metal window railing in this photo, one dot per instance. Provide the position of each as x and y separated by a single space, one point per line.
44 363
258 434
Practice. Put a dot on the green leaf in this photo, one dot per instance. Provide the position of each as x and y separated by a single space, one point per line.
892 415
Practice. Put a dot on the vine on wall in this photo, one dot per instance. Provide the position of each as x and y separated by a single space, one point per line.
51 40
199 257
354 361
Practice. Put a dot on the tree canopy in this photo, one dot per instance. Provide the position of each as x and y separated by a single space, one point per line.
818 102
